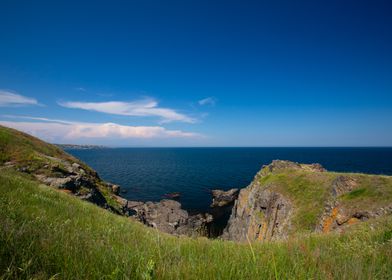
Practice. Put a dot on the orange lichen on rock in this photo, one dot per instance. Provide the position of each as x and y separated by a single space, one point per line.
352 221
262 232
65 191
329 221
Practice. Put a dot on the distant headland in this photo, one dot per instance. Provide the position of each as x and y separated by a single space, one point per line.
79 147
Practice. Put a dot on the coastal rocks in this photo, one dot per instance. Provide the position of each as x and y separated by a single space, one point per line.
96 197
222 198
262 212
71 182
167 216
259 215
277 165
72 178
116 189
173 195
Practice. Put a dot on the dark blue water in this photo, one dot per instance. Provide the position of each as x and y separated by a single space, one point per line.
149 173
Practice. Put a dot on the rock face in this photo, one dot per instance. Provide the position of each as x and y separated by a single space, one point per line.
259 215
287 198
222 198
167 216
338 215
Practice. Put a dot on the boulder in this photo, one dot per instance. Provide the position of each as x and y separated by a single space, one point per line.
222 198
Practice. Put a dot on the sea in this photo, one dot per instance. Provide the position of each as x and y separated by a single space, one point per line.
148 174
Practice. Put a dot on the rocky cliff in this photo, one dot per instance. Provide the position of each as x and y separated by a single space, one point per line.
286 199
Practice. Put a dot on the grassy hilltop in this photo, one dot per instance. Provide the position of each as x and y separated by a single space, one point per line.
49 234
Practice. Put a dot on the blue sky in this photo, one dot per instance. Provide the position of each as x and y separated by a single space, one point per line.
198 73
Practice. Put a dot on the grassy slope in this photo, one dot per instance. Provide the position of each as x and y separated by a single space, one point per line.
25 151
21 148
45 233
310 190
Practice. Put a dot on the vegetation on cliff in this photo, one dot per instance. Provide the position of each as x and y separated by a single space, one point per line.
288 198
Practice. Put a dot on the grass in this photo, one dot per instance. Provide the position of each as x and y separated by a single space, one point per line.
373 192
356 194
46 234
308 192
28 151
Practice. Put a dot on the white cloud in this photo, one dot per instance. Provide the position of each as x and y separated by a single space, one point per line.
208 101
8 98
60 130
81 89
141 108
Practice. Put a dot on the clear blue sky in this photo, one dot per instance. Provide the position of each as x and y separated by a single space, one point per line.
198 73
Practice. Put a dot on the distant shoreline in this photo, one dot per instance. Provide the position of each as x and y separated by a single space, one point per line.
80 147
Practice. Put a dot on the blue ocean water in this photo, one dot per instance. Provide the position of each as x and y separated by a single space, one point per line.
150 173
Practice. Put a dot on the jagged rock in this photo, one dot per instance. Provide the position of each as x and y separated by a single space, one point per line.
75 166
96 197
343 184
168 216
174 195
259 215
116 189
285 164
222 198
67 183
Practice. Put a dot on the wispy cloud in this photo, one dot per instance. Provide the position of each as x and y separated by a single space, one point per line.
141 108
8 98
207 101
81 89
63 130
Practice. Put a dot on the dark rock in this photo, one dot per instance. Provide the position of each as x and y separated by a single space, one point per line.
221 198
168 216
116 189
96 197
174 195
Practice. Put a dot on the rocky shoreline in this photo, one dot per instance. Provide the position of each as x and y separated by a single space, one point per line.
257 212
165 215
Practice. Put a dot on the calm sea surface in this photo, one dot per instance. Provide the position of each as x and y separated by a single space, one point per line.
149 173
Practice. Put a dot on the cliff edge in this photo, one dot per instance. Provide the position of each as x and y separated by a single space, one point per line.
287 198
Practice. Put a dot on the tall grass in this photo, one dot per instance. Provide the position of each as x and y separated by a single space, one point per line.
46 234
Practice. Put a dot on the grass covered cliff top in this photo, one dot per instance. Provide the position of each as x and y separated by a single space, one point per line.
310 188
24 150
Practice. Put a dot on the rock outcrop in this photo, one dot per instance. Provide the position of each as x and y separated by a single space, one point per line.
259 215
288 198
168 216
222 198
70 176
338 214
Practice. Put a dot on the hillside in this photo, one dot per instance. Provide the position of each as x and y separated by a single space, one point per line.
52 166
50 228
